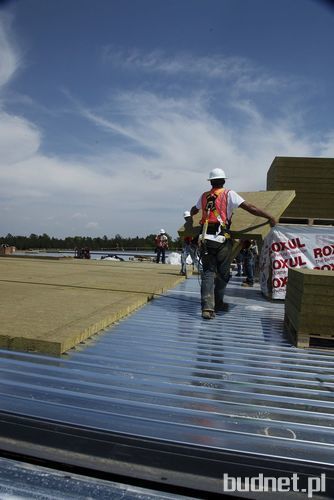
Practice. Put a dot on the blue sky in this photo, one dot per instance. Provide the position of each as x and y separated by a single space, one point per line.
112 112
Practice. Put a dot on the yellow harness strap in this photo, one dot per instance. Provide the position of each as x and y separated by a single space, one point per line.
222 225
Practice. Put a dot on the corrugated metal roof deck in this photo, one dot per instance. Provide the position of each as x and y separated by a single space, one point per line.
20 481
234 383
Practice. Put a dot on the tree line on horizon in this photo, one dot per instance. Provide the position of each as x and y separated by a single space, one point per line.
117 242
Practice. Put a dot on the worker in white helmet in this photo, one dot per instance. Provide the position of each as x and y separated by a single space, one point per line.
215 241
189 247
161 245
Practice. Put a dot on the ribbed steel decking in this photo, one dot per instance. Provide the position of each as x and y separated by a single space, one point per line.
21 481
230 390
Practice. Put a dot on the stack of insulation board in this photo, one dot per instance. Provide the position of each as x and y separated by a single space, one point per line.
313 181
309 307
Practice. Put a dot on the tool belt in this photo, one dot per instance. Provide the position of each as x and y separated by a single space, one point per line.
217 238
216 233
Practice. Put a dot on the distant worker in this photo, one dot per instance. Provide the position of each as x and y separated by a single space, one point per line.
249 253
215 241
161 244
189 248
239 261
78 253
86 253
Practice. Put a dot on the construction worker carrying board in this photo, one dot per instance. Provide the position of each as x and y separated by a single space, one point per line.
215 240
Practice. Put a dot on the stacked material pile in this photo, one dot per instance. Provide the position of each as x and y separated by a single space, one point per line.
309 307
313 181
7 250
294 246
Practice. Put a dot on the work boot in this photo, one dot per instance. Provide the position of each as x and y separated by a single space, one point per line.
221 306
246 284
208 314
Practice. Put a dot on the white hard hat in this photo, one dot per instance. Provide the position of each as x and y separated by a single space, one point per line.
186 213
217 173
162 231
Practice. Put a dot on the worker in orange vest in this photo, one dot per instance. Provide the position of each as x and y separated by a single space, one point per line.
161 244
215 241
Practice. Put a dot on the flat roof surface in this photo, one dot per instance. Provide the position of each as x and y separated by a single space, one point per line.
49 306
232 384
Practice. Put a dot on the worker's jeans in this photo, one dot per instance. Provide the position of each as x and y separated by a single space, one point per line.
249 264
216 260
161 252
239 260
188 250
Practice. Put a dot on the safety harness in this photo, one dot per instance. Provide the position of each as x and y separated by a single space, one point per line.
222 233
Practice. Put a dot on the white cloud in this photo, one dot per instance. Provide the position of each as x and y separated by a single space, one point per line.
327 145
169 144
108 124
184 141
9 57
78 215
19 139
133 191
92 225
244 74
212 66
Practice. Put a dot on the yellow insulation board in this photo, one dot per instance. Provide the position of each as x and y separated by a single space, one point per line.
51 306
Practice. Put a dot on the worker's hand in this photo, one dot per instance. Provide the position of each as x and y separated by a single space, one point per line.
272 221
